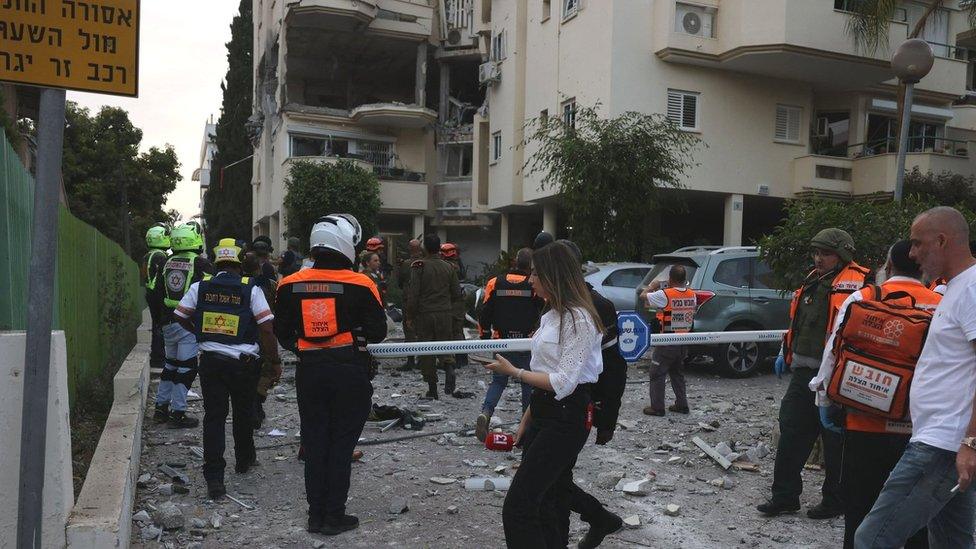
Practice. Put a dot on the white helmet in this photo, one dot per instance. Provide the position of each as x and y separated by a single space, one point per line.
339 232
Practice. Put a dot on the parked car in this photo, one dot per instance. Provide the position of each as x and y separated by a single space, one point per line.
735 292
616 281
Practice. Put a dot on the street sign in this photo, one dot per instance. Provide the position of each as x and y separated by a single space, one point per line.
70 44
635 335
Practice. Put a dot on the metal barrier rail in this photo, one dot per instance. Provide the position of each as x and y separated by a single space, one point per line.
425 348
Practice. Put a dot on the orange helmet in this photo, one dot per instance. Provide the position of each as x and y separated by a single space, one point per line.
449 251
374 244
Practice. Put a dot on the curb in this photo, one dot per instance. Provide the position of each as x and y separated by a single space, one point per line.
102 516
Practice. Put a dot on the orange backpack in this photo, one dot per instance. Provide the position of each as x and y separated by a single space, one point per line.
877 347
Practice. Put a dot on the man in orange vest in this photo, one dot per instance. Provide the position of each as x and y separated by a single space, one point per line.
872 444
815 304
675 306
326 315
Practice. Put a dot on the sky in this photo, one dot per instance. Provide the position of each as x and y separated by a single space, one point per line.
182 61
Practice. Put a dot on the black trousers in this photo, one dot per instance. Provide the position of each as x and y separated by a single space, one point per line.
333 401
157 349
868 460
799 426
536 509
223 378
586 506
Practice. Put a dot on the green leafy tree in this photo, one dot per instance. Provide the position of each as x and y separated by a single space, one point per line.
227 206
610 174
944 188
313 190
109 184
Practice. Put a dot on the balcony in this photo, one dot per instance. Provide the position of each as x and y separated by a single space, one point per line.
800 40
407 19
407 194
457 24
453 199
393 115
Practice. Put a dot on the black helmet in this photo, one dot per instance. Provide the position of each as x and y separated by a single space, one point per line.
542 239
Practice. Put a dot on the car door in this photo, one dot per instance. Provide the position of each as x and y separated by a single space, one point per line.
730 282
619 286
769 304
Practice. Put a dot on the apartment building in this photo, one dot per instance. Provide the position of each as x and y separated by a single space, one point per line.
208 149
776 89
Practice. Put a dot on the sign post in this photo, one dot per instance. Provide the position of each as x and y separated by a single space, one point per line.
635 335
56 45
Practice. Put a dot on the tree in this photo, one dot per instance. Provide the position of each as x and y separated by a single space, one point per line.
610 173
109 184
313 190
227 206
944 188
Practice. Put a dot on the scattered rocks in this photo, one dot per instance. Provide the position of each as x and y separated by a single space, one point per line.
165 489
724 483
452 510
216 520
169 516
672 510
398 506
198 523
444 481
144 480
676 460
142 516
633 521
637 488
475 463
150 532
609 479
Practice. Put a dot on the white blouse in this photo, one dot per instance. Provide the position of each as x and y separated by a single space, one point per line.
568 350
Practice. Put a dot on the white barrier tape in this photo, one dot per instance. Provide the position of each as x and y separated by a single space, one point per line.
427 348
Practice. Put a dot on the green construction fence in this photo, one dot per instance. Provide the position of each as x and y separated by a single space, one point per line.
98 294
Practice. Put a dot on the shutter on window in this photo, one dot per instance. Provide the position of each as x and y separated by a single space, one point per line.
689 118
788 123
674 107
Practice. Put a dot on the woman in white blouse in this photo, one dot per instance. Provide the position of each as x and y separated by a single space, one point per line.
554 429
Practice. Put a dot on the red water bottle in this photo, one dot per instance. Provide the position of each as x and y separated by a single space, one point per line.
500 442
589 417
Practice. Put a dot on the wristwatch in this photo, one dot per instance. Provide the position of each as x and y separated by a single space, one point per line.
969 441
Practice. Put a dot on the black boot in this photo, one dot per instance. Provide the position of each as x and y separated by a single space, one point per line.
450 379
772 508
823 511
607 523
315 523
162 413
216 489
242 466
431 391
337 525
179 420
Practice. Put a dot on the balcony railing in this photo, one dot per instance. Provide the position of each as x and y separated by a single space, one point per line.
460 14
453 198
916 144
397 174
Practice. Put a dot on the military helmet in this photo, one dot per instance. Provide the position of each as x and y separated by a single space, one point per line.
449 251
374 244
187 238
227 251
158 237
835 240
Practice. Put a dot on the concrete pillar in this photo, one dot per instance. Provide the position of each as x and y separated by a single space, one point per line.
444 107
734 206
420 91
442 234
418 226
549 218
503 241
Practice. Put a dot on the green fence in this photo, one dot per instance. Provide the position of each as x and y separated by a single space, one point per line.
98 294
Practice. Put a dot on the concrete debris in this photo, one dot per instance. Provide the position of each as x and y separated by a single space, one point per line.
664 487
675 460
174 475
672 510
142 516
165 489
398 505
197 451
498 484
169 516
723 449
198 523
500 469
475 463
627 425
633 521
609 479
150 532
724 483
637 488
216 520
719 458
705 427
143 480
319 544
442 480
452 510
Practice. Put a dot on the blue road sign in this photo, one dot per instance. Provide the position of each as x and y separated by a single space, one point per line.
635 336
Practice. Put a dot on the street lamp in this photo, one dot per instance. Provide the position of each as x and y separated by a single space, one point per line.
911 62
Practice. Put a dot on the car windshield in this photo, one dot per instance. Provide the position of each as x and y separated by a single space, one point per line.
662 268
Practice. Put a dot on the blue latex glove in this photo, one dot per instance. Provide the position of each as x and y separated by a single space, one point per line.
827 420
780 366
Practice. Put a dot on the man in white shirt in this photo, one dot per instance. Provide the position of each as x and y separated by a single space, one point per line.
931 485
676 306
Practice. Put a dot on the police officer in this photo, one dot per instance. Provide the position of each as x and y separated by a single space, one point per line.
676 307
815 304
157 240
326 314
450 253
429 304
181 270
403 280
229 316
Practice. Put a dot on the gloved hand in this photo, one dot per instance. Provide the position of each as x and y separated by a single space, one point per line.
830 419
780 366
603 436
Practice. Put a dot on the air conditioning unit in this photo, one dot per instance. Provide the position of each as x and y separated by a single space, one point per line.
488 73
694 20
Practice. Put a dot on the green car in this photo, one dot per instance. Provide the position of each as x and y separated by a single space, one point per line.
735 293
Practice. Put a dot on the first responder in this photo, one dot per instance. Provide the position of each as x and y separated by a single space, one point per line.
873 444
416 252
429 305
186 266
378 245
326 314
815 305
251 267
676 305
510 310
261 246
451 254
157 240
291 260
229 316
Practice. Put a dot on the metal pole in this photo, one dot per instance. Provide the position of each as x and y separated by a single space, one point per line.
40 301
906 119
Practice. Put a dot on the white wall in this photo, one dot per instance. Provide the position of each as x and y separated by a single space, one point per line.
58 496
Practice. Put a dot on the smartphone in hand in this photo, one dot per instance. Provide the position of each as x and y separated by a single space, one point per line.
481 359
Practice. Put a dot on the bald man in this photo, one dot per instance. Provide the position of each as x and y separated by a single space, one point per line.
932 483
403 280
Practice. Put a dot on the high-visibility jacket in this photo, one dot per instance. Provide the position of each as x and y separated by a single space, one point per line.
678 316
850 279
152 266
510 308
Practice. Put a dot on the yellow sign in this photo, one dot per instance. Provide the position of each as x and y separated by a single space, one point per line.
88 46
220 323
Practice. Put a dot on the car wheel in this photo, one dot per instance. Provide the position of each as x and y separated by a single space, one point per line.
739 359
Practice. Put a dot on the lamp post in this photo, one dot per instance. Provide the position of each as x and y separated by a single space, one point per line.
911 62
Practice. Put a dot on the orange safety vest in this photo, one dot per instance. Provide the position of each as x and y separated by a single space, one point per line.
322 305
678 315
923 299
849 280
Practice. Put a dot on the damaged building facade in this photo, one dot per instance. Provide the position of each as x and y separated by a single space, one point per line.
433 96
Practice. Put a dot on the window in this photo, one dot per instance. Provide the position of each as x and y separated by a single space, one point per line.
570 8
683 109
499 46
458 160
496 146
546 9
569 113
544 117
831 132
762 276
788 123
626 278
733 272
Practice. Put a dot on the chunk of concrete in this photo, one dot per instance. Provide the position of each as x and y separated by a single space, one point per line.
398 505
609 479
169 516
633 521
143 517
637 488
672 510
442 480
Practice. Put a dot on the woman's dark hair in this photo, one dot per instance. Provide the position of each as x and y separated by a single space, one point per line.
558 270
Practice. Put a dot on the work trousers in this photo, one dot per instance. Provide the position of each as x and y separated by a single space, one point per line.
224 379
157 348
799 426
180 368
586 506
868 460
668 361
536 509
333 402
433 327
500 381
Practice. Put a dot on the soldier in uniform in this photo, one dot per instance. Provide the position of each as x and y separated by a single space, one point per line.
403 281
429 305
450 253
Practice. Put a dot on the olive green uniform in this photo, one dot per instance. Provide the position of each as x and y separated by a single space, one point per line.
403 281
459 310
429 304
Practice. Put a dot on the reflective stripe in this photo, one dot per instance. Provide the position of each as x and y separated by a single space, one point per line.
339 340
